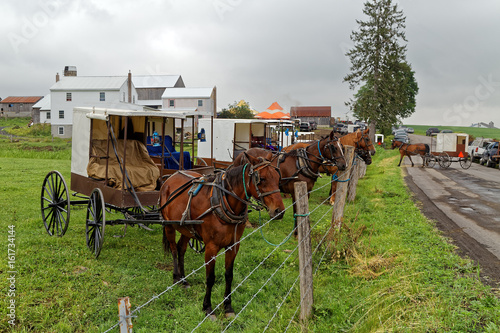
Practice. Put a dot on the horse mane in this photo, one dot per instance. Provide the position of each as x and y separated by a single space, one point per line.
234 175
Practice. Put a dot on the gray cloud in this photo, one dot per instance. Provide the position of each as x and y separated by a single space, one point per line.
261 51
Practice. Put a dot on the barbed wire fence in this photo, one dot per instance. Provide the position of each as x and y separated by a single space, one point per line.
353 167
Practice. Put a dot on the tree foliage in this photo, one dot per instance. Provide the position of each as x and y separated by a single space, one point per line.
378 64
237 111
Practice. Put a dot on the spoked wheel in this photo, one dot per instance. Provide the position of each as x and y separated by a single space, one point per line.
429 161
465 162
199 161
55 204
197 245
96 221
444 160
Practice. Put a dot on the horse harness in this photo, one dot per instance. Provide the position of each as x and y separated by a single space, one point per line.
218 199
303 162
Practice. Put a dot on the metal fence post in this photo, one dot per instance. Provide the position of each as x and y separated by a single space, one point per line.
124 315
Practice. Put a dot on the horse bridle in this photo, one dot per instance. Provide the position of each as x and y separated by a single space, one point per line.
255 179
331 148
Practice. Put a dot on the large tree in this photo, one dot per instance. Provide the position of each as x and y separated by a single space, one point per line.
378 65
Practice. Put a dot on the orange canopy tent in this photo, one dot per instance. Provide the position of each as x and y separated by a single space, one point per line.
276 115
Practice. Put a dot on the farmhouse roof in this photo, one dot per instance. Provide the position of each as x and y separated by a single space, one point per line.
188 93
43 104
157 81
89 83
311 111
21 99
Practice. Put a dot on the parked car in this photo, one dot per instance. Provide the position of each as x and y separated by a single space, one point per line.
305 126
314 125
431 130
340 128
487 158
477 147
401 135
446 131
410 130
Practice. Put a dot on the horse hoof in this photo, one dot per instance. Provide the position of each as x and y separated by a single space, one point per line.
186 285
212 317
230 315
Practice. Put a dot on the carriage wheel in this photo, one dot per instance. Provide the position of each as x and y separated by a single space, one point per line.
465 162
199 161
96 221
444 160
55 204
430 161
197 245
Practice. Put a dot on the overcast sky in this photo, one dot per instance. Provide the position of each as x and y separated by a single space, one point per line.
261 51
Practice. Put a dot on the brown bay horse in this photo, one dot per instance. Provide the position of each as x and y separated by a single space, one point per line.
410 150
364 149
221 201
302 162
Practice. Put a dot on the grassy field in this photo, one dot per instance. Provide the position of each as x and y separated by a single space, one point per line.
493 133
389 270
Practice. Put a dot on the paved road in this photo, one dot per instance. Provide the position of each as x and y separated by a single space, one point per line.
466 206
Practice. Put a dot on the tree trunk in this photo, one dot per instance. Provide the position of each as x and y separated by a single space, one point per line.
373 128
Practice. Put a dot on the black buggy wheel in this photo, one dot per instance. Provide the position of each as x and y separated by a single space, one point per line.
430 160
465 162
55 204
96 221
197 245
444 160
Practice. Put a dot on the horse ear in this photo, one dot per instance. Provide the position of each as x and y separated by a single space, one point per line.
367 131
250 158
332 135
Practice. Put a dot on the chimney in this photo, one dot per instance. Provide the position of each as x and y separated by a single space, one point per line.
69 70
57 77
129 85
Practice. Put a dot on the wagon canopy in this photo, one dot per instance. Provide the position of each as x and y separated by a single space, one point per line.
451 142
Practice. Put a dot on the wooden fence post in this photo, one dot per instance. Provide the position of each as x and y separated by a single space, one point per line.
342 186
305 251
124 315
356 174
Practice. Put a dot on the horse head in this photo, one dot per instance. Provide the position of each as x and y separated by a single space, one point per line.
333 153
364 142
263 184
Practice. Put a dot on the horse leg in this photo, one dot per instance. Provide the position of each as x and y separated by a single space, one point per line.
401 158
181 250
229 262
409 156
210 254
169 244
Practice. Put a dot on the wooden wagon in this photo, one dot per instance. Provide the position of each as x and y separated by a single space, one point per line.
119 159
447 148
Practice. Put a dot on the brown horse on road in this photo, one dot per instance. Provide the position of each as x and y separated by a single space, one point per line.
410 150
221 201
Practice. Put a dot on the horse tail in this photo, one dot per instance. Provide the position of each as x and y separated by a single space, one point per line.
427 148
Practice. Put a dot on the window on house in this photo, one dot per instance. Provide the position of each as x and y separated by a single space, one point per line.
61 130
200 102
48 115
171 103
61 114
68 97
102 96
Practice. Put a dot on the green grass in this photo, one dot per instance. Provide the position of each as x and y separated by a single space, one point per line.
493 133
388 270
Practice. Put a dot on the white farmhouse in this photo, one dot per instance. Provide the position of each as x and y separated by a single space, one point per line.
150 88
80 91
203 99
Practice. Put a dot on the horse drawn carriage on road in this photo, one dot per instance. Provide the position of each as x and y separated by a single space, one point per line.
447 148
